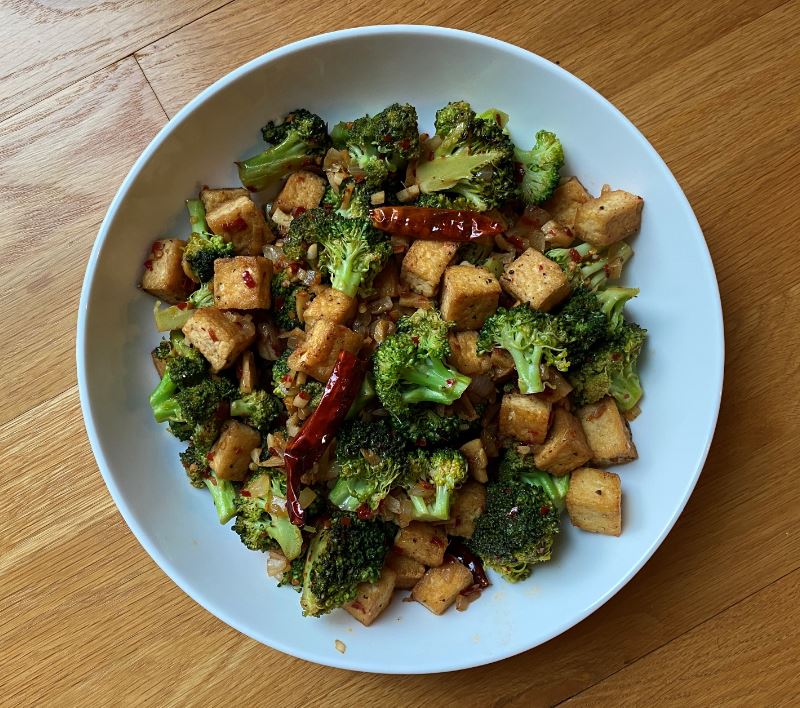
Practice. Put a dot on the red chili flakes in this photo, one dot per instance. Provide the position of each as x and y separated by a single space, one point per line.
356 605
345 521
294 266
304 395
415 339
157 250
182 305
404 144
244 493
541 267
519 172
364 513
148 264
249 281
544 511
436 541
210 456
238 224
297 211
450 382
212 335
575 256
237 451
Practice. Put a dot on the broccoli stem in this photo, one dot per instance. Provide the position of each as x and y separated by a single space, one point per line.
257 172
197 216
626 389
161 398
346 279
223 493
342 497
436 383
242 408
439 510
528 365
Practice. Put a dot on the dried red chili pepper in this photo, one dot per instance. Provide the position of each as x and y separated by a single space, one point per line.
435 224
458 551
320 428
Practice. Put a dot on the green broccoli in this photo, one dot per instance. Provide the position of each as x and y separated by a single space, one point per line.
611 370
294 575
261 522
195 405
586 266
540 167
261 408
444 200
409 365
203 247
581 324
612 301
516 467
474 159
184 366
531 337
352 200
439 473
366 393
348 552
283 381
381 144
175 316
369 459
223 493
424 427
284 290
305 229
300 140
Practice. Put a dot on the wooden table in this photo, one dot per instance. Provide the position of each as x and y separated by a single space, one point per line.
88 618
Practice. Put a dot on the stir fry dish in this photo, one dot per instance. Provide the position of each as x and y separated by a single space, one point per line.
399 358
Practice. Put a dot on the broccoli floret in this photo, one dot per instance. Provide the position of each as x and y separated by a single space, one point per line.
351 202
516 467
366 393
540 167
474 159
350 551
588 267
531 337
195 461
282 375
581 324
305 229
312 391
424 427
369 459
409 365
284 290
444 200
381 144
474 252
300 140
294 575
517 529
430 481
611 370
261 409
612 301
195 404
223 493
184 366
260 524
203 247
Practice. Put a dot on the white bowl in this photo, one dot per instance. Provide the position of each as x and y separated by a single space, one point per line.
346 74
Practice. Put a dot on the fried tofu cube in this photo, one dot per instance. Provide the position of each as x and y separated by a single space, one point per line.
477 460
440 586
240 222
303 190
556 387
407 571
469 296
248 373
464 354
425 263
318 353
423 542
242 283
163 275
230 456
607 433
594 501
372 598
609 218
212 198
469 502
332 305
525 418
557 235
565 200
535 279
219 336
565 447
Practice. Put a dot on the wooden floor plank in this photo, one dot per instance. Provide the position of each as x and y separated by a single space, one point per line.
593 40
46 46
746 656
62 161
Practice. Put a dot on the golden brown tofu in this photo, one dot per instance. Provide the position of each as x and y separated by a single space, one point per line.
594 501
440 586
317 354
212 198
557 235
556 387
607 433
464 354
469 502
407 570
469 296
163 275
219 336
242 283
502 364
565 200
230 456
609 218
240 222
565 447
332 305
248 373
477 460
425 263
423 542
525 418
372 598
535 279
303 190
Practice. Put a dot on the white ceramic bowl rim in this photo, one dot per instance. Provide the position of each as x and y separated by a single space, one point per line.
142 533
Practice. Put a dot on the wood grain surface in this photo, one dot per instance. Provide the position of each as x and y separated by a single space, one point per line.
88 619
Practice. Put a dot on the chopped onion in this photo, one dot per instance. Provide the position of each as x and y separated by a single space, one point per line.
361 323
341 647
377 198
308 277
300 401
482 386
312 252
273 253
418 302
409 194
383 304
306 497
277 564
